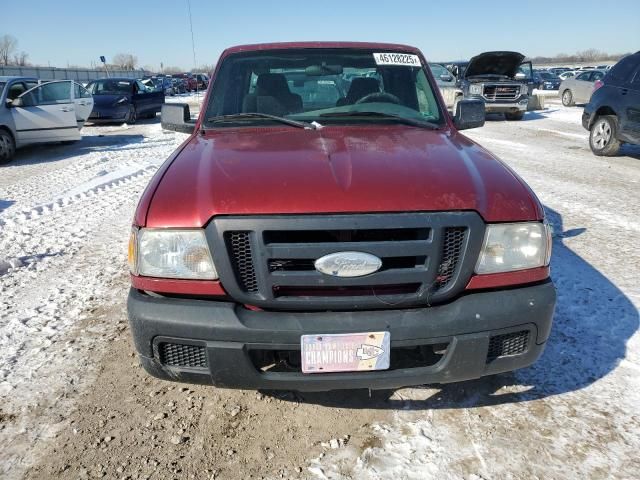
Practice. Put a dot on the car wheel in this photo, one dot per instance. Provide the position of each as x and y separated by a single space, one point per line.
567 98
514 116
7 147
132 116
602 137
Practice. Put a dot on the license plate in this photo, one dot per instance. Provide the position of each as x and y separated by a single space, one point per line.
345 352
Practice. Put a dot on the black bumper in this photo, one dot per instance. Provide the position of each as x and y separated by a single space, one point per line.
225 333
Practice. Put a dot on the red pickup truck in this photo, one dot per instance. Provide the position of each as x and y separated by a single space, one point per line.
325 226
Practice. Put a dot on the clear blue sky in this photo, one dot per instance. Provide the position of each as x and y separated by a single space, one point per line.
157 31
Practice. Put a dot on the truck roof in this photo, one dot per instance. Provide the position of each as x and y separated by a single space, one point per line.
294 45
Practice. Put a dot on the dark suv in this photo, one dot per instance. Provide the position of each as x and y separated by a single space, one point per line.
613 113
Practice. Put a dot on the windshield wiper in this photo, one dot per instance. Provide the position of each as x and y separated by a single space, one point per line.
249 116
391 116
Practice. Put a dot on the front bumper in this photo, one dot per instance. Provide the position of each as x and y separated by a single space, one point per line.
227 333
112 114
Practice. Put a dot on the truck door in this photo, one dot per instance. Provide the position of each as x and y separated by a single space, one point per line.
526 69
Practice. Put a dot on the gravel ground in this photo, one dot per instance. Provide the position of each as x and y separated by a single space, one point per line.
75 404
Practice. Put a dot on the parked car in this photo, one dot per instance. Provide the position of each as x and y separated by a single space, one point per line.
446 82
567 74
270 252
546 81
123 100
192 83
558 70
578 89
202 80
612 115
179 85
40 113
501 80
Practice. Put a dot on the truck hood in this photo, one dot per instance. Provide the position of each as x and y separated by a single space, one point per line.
333 170
494 63
108 100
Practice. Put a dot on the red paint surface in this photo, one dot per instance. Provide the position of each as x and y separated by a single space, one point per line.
339 169
520 277
186 287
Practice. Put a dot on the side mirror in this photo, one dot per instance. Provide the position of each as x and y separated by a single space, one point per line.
16 102
177 117
520 76
469 114
446 78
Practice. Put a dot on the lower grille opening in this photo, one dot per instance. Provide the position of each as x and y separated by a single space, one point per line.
180 355
288 361
353 291
507 344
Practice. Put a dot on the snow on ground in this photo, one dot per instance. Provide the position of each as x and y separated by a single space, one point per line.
64 230
65 213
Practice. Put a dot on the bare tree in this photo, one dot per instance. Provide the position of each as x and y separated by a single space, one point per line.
8 45
208 69
21 59
126 61
172 70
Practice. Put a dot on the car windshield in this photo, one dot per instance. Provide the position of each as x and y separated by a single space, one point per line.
438 70
322 85
547 76
2 84
110 87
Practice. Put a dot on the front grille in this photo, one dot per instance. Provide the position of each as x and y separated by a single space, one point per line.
501 92
239 243
451 252
507 344
179 355
269 261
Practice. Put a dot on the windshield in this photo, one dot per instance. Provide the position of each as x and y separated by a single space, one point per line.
547 76
322 85
110 87
2 84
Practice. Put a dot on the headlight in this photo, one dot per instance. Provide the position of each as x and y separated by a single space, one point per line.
171 254
515 246
475 89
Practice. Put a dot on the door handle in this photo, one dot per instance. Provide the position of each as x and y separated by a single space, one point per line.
67 109
624 91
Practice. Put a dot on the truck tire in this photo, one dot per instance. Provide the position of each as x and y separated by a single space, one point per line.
7 146
132 116
514 116
602 136
567 98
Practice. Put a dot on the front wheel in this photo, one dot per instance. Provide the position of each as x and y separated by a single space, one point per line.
132 115
7 147
567 98
602 137
514 116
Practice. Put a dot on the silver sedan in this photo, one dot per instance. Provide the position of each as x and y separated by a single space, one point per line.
578 89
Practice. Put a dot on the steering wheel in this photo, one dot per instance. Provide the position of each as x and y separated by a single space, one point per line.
379 97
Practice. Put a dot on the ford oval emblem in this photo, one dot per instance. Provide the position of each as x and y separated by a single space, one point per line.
348 264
